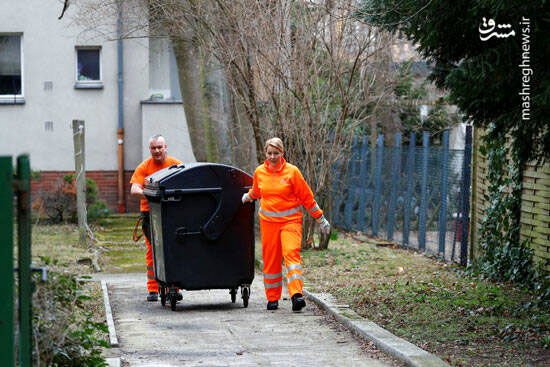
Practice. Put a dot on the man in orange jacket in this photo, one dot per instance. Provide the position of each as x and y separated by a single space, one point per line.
282 190
159 159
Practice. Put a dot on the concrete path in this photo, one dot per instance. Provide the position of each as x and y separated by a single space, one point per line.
208 330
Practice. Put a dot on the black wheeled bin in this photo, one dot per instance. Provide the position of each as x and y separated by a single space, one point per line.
202 235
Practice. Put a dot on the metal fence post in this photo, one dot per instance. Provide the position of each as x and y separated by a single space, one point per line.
337 191
410 184
363 178
334 177
378 184
423 192
24 244
466 176
7 357
394 178
350 200
443 208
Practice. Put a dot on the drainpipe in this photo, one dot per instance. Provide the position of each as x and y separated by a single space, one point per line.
120 130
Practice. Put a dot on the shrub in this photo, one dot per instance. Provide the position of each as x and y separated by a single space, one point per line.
65 331
60 204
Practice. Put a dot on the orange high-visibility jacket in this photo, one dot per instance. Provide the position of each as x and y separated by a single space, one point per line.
146 168
282 191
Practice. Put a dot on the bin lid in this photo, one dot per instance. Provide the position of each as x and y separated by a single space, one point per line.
153 182
225 183
196 176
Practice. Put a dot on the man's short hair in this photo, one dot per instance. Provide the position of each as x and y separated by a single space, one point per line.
157 137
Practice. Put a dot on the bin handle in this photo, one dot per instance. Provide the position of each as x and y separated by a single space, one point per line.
228 204
181 232
176 192
151 193
173 192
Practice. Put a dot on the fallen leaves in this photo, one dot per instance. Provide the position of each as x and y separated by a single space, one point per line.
423 300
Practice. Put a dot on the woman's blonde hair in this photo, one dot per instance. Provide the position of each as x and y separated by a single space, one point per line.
275 143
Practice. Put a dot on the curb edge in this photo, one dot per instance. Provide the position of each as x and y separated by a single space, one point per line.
394 346
109 315
383 339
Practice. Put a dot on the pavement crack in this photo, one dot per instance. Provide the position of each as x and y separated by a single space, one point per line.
247 348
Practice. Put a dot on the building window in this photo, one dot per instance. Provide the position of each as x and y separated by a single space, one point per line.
11 76
88 67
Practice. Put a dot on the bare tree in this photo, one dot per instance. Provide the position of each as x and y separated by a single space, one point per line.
306 71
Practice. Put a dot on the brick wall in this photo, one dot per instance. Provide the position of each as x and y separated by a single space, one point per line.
106 183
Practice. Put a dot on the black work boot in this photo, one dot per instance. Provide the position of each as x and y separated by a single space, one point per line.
272 305
153 297
298 302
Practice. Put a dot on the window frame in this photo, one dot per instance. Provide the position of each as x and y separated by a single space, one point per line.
88 84
16 98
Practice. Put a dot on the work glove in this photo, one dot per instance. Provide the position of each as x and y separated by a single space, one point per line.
246 198
324 224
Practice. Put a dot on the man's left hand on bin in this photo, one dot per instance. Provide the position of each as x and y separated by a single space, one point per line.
246 198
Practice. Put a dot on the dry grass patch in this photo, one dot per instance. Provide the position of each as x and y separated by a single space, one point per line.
58 245
69 316
466 321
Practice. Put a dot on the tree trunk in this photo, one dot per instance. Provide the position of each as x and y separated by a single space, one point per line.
220 109
324 240
188 60
307 232
243 149
207 108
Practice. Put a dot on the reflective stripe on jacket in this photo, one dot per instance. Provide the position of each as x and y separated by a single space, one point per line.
282 190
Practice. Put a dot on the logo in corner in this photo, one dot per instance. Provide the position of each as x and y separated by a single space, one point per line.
487 30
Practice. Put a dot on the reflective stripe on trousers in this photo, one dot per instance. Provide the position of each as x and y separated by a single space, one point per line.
273 280
273 285
294 272
152 285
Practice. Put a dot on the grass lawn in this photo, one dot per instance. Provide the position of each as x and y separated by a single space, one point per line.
465 321
117 252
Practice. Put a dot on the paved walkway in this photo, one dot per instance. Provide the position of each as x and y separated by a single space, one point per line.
208 330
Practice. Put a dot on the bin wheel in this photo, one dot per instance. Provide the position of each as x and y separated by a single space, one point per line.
173 295
163 296
173 301
233 292
245 294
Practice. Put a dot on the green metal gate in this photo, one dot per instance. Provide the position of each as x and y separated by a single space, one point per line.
11 186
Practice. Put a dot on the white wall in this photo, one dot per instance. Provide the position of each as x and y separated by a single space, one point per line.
167 119
49 55
136 89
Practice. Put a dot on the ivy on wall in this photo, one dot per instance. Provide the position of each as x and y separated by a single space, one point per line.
504 257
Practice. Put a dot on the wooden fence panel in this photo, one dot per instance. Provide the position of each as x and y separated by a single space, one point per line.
535 205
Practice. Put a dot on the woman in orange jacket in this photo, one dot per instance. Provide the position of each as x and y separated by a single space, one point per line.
282 189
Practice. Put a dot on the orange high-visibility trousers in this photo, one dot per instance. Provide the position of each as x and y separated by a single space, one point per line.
152 285
281 240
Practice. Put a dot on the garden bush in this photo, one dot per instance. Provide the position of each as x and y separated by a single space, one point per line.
60 204
66 330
